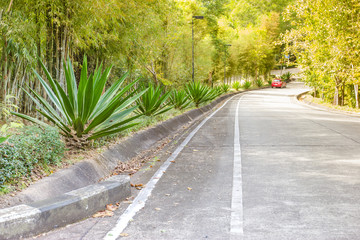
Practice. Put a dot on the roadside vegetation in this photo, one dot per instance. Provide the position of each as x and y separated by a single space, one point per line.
77 75
325 40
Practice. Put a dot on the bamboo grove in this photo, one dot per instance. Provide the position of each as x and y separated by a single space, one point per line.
150 39
326 40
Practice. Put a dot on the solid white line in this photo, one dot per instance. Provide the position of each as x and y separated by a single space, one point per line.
236 225
141 198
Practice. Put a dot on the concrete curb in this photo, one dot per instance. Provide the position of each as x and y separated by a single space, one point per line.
32 219
89 171
53 202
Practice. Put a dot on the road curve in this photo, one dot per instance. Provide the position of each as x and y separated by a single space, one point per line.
296 176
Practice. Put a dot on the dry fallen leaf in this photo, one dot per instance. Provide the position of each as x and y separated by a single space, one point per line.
101 214
157 209
189 188
167 194
129 202
195 150
124 234
172 161
111 207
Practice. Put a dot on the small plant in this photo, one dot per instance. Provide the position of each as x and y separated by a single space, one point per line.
236 86
179 99
30 147
269 81
153 101
200 93
286 77
225 88
259 83
7 107
6 129
246 85
84 112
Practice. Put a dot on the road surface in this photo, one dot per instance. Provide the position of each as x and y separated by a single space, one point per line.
262 167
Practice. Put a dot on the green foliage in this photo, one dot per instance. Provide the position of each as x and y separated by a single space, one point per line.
153 101
7 106
259 83
179 99
236 86
200 93
3 139
286 77
325 40
30 147
225 88
6 130
246 85
84 113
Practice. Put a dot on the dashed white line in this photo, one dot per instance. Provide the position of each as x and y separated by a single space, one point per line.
236 225
141 198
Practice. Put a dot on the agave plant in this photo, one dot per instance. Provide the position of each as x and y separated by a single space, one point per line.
200 93
236 86
179 99
286 77
259 83
84 113
153 101
246 85
225 88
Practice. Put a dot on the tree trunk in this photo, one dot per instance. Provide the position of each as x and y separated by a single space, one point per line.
343 94
356 88
336 96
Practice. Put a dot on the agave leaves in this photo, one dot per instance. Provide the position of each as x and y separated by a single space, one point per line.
153 101
225 88
179 99
84 113
236 86
200 93
246 85
3 139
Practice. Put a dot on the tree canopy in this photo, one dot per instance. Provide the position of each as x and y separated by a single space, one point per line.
148 38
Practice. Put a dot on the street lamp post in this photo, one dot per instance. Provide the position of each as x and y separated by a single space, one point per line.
226 45
193 60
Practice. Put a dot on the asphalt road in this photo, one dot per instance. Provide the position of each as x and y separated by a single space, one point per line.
296 176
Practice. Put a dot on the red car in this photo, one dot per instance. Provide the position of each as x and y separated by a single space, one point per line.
278 83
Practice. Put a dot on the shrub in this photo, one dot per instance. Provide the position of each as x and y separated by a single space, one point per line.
246 85
30 147
153 101
236 86
84 113
259 83
286 77
225 88
179 99
200 93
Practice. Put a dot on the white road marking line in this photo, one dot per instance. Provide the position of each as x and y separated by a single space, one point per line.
141 198
237 218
